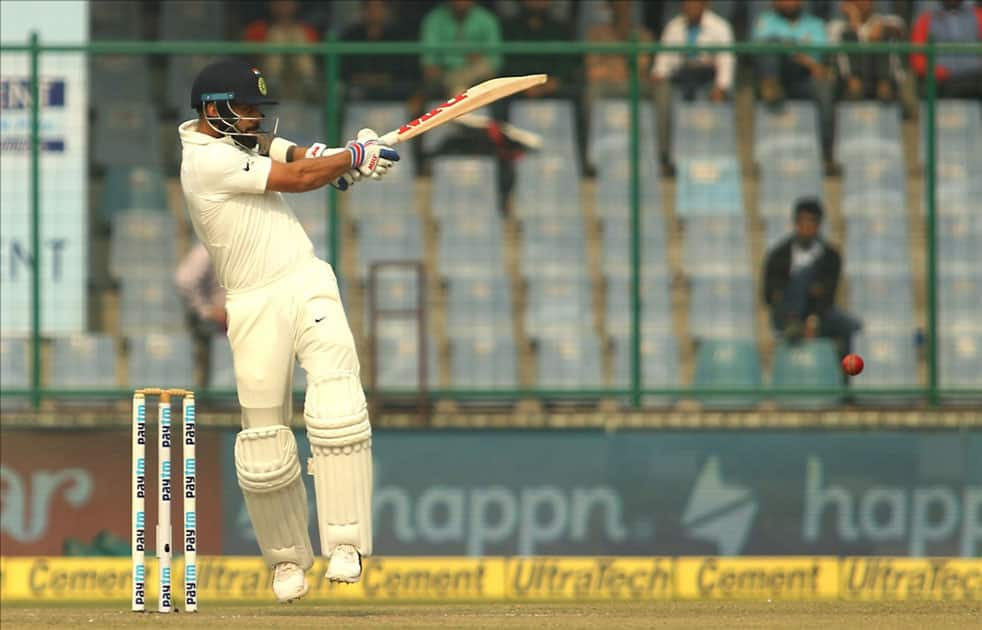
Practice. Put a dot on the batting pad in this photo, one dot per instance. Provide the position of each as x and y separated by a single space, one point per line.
269 474
341 444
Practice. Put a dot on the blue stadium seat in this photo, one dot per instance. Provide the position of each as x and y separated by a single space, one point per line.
722 363
656 304
872 176
784 181
552 243
957 132
125 133
960 365
83 361
142 245
464 185
613 198
398 236
479 301
892 361
958 238
432 139
470 244
959 300
610 132
396 288
868 130
546 184
659 365
616 246
811 363
776 229
483 360
14 370
876 244
884 301
791 132
556 302
554 119
160 360
397 355
717 245
570 361
876 203
709 186
147 306
703 130
722 307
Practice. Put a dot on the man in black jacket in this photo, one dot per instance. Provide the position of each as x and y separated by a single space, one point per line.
801 275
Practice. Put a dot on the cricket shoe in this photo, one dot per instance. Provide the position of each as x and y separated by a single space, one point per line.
289 582
344 565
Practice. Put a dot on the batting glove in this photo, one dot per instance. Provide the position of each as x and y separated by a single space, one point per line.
371 158
343 183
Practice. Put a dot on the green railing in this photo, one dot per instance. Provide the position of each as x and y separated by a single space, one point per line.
332 52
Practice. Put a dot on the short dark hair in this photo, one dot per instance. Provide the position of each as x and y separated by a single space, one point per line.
811 205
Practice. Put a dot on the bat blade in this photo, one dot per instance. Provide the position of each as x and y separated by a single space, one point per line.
473 98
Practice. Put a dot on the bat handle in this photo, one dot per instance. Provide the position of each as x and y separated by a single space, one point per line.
390 138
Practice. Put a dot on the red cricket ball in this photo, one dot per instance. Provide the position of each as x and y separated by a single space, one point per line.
852 364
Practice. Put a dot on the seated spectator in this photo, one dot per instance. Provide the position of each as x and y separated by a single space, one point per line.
397 77
296 76
459 21
607 75
204 304
801 274
534 22
796 74
690 73
867 75
952 22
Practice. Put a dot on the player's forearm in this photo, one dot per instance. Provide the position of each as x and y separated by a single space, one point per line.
315 172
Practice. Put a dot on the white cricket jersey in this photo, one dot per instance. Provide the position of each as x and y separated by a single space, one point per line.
252 234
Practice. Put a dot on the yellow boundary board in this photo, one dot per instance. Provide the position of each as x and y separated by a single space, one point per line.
237 578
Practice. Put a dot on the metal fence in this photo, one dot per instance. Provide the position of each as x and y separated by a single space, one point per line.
640 354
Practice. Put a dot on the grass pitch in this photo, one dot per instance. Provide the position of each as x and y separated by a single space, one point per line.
515 615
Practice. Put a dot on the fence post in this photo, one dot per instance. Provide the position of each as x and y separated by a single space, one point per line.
931 219
635 161
35 221
332 114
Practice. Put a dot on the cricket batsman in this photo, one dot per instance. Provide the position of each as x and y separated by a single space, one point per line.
283 304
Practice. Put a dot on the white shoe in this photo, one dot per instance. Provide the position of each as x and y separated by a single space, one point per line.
344 565
289 582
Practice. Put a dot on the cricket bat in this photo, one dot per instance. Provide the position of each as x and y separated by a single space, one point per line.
467 101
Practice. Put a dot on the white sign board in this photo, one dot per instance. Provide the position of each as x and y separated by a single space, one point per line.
64 170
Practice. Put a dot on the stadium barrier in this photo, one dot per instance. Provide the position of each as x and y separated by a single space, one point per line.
37 580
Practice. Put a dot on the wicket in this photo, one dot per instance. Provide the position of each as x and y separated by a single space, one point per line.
162 537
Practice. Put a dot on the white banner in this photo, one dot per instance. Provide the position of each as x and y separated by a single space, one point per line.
64 171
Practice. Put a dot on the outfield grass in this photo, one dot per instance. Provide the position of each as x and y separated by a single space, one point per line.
513 615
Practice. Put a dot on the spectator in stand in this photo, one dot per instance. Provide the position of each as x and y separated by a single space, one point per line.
801 275
295 75
607 75
952 22
690 73
460 21
797 74
534 22
395 78
204 304
867 75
